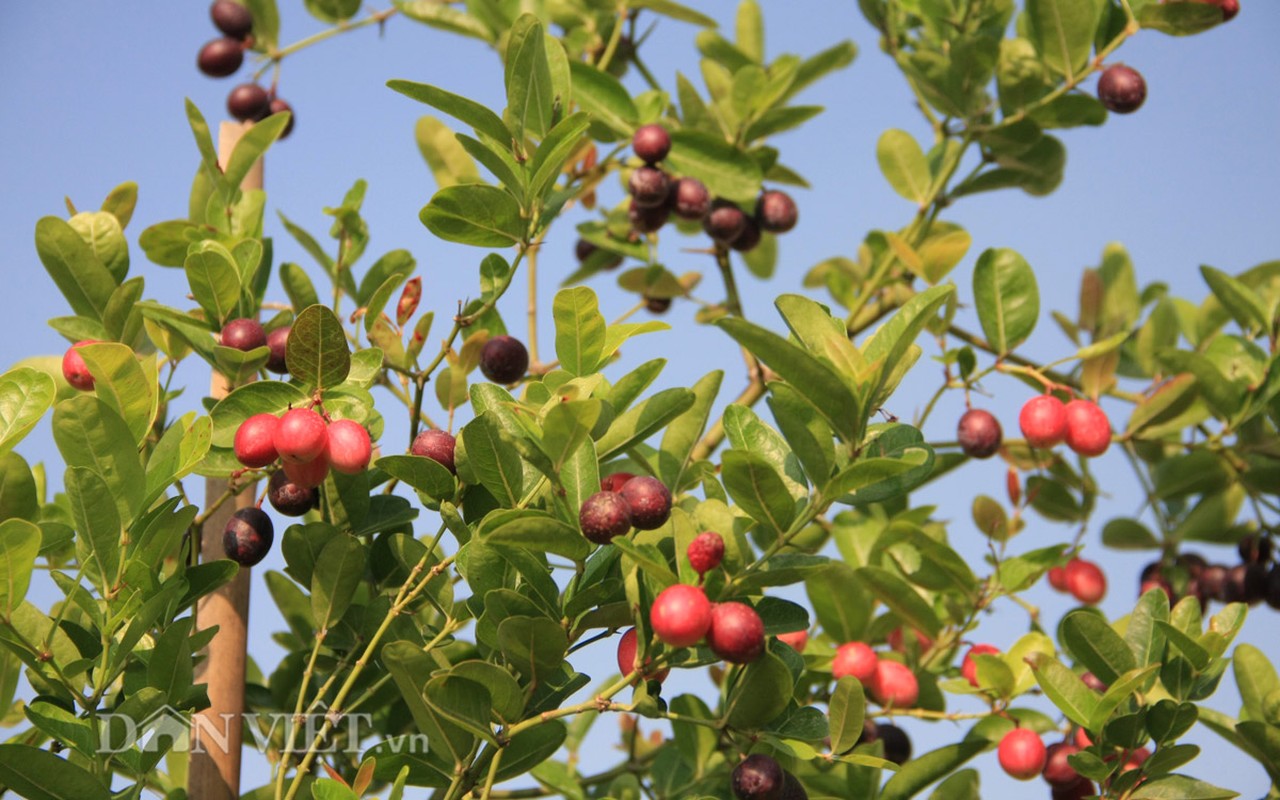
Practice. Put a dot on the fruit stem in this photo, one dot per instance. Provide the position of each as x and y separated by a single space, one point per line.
328 33
532 270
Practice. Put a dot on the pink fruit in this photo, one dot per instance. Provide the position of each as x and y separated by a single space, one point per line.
255 440
856 659
301 436
681 615
1057 772
969 668
894 684
736 633
349 447
1088 429
1022 754
1043 420
705 552
1086 581
796 640
627 647
308 474
75 370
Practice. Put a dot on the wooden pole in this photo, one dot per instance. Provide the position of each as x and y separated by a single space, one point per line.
214 770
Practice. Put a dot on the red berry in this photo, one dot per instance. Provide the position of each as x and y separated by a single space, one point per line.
776 211
504 359
758 777
724 222
690 199
1135 759
278 105
1088 429
705 552
681 615
1022 754
1121 89
220 57
278 342
856 659
1058 578
436 445
603 516
969 668
247 537
248 101
1229 8
243 334
649 186
308 474
651 143
301 436
747 240
1057 772
649 500
736 633
1043 421
255 444
615 482
74 369
895 642
627 647
231 18
1082 739
894 684
647 219
979 433
796 640
349 447
1086 581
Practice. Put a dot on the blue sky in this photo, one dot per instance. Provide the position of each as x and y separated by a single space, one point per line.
93 97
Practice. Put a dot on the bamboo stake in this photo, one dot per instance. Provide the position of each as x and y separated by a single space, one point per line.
214 770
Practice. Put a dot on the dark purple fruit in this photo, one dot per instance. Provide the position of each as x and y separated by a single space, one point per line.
792 789
1057 771
690 199
747 240
1194 563
220 57
584 250
277 105
897 745
1121 89
278 341
1151 571
1213 582
647 220
979 433
757 777
231 18
248 536
1255 549
870 732
649 187
436 445
1246 583
1273 587
1077 790
651 143
289 498
603 516
657 305
724 222
248 101
776 211
243 334
504 359
649 500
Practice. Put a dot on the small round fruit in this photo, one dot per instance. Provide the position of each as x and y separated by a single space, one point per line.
1273 587
1058 578
436 445
289 498
705 552
309 474
627 647
724 222
603 516
1088 429
690 199
736 633
615 482
1156 583
243 334
349 447
870 732
1057 771
796 640
757 777
231 18
681 615
649 500
856 659
1022 754
894 684
255 444
1247 583
301 436
651 143
278 341
657 305
277 105
584 250
504 359
1213 582
897 745
248 101
969 668
248 536
776 211
1086 581
1255 549
649 187
1082 738
979 433
1135 759
74 369
1043 420
1121 89
749 238
792 789
1077 790
220 57
647 220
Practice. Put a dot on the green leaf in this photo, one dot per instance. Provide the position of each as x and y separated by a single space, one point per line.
252 145
758 489
682 434
1062 32
1256 678
1239 300
19 546
40 775
1122 533
89 434
123 383
170 668
475 214
102 232
823 335
1180 787
424 474
534 530
605 99
449 162
1064 688
204 142
669 8
266 21
923 770
846 710
1096 645
642 421
746 431
317 352
25 395
904 166
1144 636
338 573
214 279
1005 293
550 157
460 108
97 524
121 202
495 461
726 171
535 646
902 599
889 345
1180 19
80 276
18 494
530 94
1120 692
840 602
531 747
580 330
760 694
327 788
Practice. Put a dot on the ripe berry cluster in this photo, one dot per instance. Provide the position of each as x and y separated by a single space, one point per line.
306 444
1254 580
682 616
222 56
624 502
1084 580
1047 422
889 682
